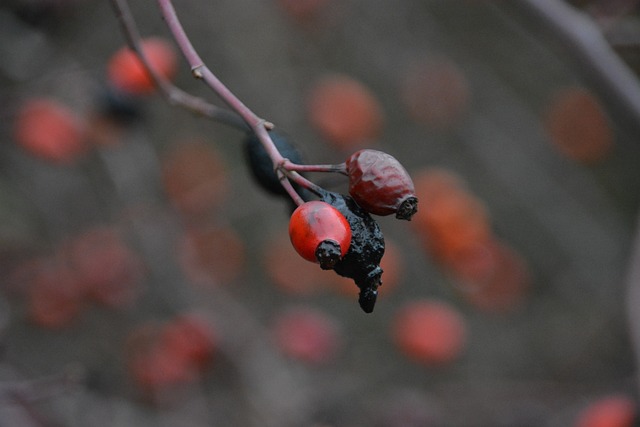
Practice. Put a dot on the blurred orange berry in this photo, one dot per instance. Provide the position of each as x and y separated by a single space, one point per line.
307 334
451 221
194 178
50 130
610 411
578 126
212 254
127 73
106 267
429 332
493 277
344 111
436 92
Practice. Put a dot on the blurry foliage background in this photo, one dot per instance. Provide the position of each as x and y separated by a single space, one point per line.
537 364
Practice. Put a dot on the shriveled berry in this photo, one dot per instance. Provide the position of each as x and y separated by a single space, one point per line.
362 261
320 233
379 183
261 165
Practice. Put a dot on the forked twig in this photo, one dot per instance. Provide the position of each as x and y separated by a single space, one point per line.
173 94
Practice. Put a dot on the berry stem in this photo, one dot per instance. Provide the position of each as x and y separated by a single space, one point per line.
304 182
286 184
339 168
172 94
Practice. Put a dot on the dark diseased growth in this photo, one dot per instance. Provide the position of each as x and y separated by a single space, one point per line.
362 261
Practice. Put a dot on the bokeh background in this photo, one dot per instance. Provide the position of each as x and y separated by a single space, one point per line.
526 170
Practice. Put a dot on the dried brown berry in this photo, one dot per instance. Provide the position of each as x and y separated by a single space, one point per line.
380 185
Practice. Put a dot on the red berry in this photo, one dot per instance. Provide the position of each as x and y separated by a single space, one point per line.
320 233
380 185
127 73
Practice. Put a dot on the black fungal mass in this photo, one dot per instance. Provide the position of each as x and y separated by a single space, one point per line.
362 261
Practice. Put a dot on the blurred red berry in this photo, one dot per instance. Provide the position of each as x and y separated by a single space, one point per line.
127 73
156 371
307 335
54 296
194 178
344 111
319 233
108 269
50 130
211 255
610 411
436 92
429 332
380 184
493 277
191 339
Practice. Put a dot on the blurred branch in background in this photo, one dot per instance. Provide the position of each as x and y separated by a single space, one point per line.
584 44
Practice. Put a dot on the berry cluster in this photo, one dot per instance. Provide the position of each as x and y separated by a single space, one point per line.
337 231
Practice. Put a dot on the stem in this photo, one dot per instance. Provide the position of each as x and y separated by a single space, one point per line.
201 71
173 94
339 168
286 184
304 182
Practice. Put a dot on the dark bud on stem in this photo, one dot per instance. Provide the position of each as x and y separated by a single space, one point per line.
261 165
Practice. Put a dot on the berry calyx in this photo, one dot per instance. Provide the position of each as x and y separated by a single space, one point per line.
320 233
379 184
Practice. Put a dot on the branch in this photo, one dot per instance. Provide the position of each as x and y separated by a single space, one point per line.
585 44
173 94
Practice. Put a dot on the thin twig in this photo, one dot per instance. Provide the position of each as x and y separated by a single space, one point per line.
173 94
339 168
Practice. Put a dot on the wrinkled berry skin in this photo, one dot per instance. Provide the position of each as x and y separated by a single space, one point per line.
362 261
380 185
261 165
